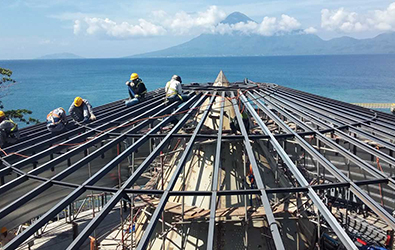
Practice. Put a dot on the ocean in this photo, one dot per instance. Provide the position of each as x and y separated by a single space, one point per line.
43 85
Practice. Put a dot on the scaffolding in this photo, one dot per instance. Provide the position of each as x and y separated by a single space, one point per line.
330 161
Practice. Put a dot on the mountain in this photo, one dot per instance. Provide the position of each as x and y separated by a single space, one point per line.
236 17
294 43
60 56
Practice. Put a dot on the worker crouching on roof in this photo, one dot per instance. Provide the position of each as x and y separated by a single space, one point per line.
137 90
9 133
56 120
5 236
81 110
234 125
173 90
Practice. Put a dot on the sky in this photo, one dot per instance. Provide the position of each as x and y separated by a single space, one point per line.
108 29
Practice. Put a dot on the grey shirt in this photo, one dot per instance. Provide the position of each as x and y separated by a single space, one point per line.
82 112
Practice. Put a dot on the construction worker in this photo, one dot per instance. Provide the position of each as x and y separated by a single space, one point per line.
173 90
5 236
56 120
81 110
251 178
2 115
389 240
234 125
137 90
8 130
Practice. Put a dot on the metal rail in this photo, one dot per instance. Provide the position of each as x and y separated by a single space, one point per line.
117 196
214 187
22 200
259 180
111 128
81 189
344 238
379 210
347 154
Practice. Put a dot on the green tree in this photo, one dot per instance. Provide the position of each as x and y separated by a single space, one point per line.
16 114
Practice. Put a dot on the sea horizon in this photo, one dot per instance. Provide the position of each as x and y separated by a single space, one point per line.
55 82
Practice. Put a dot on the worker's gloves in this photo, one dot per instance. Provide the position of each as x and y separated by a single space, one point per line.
93 117
131 84
127 83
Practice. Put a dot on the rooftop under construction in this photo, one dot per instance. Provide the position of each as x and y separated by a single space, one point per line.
300 171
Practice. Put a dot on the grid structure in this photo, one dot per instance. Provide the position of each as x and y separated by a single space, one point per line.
319 129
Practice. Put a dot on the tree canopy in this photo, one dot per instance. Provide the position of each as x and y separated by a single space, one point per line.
16 114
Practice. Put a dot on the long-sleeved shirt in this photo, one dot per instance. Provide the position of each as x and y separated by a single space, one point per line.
138 90
8 132
8 126
56 120
81 113
173 87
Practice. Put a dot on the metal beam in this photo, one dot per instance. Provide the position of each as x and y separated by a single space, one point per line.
76 150
149 230
340 113
344 152
85 160
117 196
37 143
214 187
80 138
331 220
19 239
379 210
259 180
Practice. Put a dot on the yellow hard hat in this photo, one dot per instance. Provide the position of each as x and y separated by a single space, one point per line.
3 230
134 76
2 114
77 101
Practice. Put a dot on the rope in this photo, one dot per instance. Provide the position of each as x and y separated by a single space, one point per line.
99 132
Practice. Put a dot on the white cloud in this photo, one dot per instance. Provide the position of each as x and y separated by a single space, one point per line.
180 23
310 30
183 23
77 27
268 27
349 22
109 28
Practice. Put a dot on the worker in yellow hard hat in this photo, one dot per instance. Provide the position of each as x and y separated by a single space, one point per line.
5 236
56 120
2 115
81 110
137 90
9 133
173 90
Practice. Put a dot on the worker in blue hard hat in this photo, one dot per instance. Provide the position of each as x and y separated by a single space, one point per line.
56 120
137 90
9 133
81 110
173 90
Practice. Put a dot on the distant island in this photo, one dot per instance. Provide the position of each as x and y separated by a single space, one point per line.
294 43
60 56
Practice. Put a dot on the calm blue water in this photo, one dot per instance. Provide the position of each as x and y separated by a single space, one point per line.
46 84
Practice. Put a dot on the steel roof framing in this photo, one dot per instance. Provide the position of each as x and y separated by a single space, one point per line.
113 126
